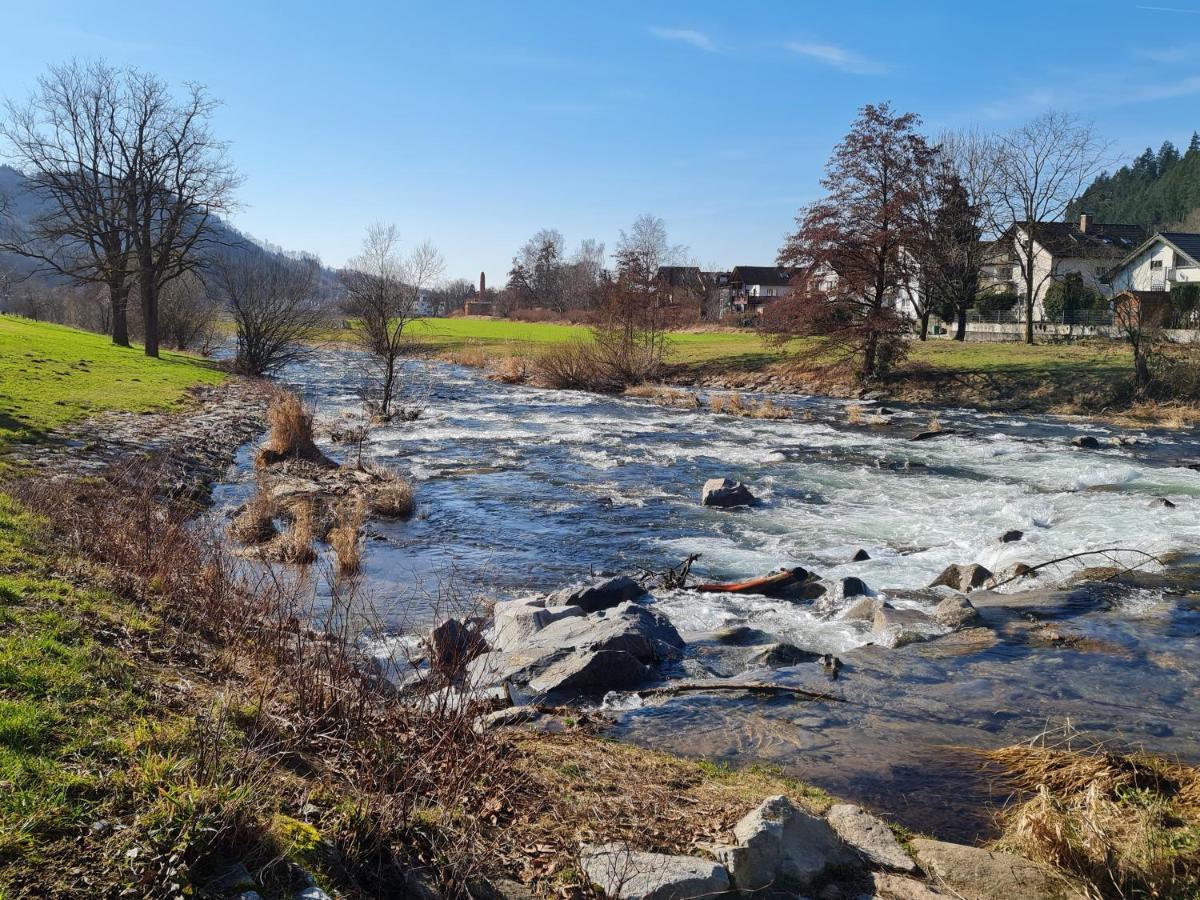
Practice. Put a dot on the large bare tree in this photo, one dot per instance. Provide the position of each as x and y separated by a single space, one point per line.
66 140
275 303
1041 167
383 294
176 179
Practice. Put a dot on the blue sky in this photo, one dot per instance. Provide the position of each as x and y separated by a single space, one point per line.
475 124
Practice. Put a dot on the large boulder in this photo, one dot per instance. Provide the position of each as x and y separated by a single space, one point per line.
962 578
976 874
779 843
454 643
603 593
590 672
870 836
636 637
863 609
632 875
853 586
724 492
515 621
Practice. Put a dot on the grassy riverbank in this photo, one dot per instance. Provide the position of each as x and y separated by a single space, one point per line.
51 375
1091 377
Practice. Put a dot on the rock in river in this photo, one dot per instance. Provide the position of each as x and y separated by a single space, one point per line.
1085 442
962 577
977 874
870 836
724 492
603 593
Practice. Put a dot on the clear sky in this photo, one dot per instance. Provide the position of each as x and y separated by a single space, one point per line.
475 124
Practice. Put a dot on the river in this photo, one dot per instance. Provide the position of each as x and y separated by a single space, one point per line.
522 490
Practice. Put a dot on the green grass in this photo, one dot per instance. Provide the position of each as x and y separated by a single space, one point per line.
51 375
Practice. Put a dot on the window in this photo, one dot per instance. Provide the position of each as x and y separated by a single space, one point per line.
1156 264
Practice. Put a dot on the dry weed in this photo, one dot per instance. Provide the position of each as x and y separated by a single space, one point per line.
393 498
255 521
291 435
296 544
345 538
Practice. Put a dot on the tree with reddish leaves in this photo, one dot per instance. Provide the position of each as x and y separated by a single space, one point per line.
853 249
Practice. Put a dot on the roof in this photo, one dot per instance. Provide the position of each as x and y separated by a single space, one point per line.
680 276
769 276
1100 241
1185 241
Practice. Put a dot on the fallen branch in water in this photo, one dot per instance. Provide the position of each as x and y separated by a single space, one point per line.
753 687
674 577
1106 553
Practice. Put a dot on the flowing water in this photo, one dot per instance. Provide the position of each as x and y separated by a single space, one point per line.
522 491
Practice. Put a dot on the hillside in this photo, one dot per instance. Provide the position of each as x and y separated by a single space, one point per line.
1156 189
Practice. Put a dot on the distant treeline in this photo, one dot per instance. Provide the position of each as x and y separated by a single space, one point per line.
1156 190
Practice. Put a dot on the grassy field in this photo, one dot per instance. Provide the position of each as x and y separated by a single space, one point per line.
51 375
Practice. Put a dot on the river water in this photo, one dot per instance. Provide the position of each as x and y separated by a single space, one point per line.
522 490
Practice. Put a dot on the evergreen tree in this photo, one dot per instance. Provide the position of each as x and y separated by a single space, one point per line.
1194 146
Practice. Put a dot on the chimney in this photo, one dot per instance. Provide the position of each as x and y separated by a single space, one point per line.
1084 220
482 285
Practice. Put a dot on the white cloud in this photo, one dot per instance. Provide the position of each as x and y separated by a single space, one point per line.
1171 9
838 57
697 39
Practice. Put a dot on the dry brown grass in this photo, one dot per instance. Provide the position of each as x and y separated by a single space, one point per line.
854 414
474 356
345 538
664 396
296 544
1126 823
934 424
255 522
291 435
510 369
736 405
394 498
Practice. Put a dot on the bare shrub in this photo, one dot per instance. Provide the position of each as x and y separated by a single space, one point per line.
345 539
664 396
576 365
296 544
854 414
735 404
393 498
473 356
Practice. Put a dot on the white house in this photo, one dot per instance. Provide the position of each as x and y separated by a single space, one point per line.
1165 260
1089 249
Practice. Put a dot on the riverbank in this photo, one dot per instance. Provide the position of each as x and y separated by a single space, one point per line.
1090 378
162 725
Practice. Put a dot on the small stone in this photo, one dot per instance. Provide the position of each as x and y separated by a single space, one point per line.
779 655
860 556
870 836
1086 442
1012 535
312 893
897 627
1163 502
631 875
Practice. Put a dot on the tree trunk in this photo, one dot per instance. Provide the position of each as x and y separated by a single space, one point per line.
925 325
118 296
149 291
960 331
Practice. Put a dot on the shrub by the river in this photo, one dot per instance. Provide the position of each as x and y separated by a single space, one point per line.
291 434
345 539
394 498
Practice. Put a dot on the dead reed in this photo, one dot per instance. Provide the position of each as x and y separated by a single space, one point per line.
345 538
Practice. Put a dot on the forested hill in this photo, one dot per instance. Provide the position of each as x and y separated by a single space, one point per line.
1156 190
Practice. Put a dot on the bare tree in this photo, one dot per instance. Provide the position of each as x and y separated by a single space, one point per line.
275 305
584 275
1041 167
66 140
176 180
383 290
537 276
187 313
452 295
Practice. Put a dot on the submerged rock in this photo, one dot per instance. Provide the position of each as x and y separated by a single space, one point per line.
897 627
869 835
854 587
1163 502
778 656
633 875
977 874
863 610
1014 534
1085 442
860 556
962 577
778 842
724 492
955 612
